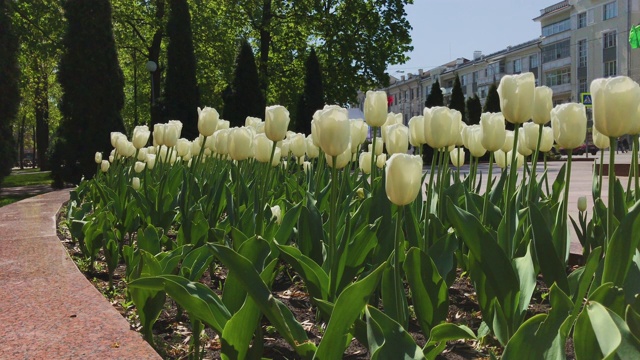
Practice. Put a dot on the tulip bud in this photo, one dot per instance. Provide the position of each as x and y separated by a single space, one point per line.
473 140
519 159
223 124
364 162
493 131
457 157
262 148
397 139
158 134
111 158
523 149
508 141
98 157
183 147
104 166
135 183
381 160
438 127
207 121
140 136
360 193
375 108
151 149
403 178
115 136
546 144
569 124
341 160
222 143
542 105
284 146
151 161
142 154
459 135
359 131
240 143
276 214
615 103
516 97
276 122
582 203
392 119
252 122
334 130
306 166
530 131
500 158
416 131
312 150
298 145
600 141
379 145
138 167
172 133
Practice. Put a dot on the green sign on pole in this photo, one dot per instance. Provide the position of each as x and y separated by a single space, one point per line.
585 99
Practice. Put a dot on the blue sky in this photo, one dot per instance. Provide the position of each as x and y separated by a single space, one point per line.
447 29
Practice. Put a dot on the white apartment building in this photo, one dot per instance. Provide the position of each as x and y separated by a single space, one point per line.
581 40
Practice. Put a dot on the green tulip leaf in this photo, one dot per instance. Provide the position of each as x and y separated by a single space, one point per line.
550 262
388 339
315 279
619 255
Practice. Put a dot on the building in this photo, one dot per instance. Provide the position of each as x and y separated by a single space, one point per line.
580 40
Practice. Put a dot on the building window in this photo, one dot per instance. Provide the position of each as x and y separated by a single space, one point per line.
483 92
463 80
558 77
610 68
426 90
517 66
610 11
582 53
582 86
556 28
556 51
411 94
533 61
475 76
609 39
582 20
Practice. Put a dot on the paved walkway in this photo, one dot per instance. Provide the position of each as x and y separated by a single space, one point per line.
48 309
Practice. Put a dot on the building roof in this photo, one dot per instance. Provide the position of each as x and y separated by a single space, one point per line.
553 9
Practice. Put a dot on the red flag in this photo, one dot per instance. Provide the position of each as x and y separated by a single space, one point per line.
389 100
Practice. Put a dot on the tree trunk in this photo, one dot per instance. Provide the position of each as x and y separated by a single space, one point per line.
42 119
21 132
154 55
265 45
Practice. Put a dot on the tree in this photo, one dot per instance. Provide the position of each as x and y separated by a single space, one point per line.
474 110
244 97
181 87
9 90
312 98
457 99
492 103
435 97
92 84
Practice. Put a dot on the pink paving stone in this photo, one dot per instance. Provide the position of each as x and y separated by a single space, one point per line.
48 309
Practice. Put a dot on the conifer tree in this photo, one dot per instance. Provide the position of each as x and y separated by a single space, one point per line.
92 84
244 97
435 97
492 103
474 110
312 99
457 99
9 90
181 96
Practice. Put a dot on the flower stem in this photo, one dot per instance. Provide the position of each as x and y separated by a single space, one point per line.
565 210
534 164
634 163
427 210
397 274
333 217
485 206
613 143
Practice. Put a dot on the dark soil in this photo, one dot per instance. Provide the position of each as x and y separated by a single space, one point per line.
172 332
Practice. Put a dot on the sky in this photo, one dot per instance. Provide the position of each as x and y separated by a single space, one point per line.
444 30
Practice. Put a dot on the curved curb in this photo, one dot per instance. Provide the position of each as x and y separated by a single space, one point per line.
48 309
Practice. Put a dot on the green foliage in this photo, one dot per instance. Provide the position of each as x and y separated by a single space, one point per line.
312 97
181 94
474 110
9 91
92 83
435 97
492 102
244 98
457 99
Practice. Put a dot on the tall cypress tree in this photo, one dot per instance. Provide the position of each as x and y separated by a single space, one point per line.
312 98
435 97
181 87
9 90
492 103
92 85
474 110
457 99
244 98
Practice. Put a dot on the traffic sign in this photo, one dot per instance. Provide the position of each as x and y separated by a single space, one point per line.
586 100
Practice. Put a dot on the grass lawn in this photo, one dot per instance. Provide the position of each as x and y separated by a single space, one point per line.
27 177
